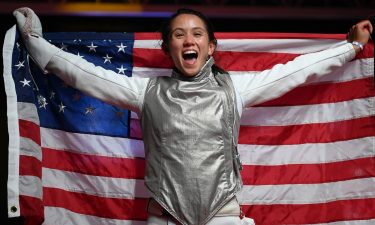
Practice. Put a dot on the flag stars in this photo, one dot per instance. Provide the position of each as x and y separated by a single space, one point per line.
64 47
107 58
42 101
61 107
89 110
20 64
121 48
92 47
25 82
121 70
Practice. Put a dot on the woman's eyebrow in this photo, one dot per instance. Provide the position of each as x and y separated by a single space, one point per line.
182 29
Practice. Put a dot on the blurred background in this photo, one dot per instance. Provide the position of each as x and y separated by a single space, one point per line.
328 16
307 16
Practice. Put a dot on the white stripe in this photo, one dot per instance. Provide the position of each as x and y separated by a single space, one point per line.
307 153
54 215
29 148
307 114
148 44
91 144
350 222
31 186
307 193
95 185
295 46
28 111
356 69
150 72
61 216
259 194
291 46
13 128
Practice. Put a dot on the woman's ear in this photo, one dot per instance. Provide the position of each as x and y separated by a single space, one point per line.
211 48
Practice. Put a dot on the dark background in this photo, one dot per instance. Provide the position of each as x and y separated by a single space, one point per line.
245 16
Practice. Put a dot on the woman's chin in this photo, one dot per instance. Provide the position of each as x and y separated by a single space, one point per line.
190 72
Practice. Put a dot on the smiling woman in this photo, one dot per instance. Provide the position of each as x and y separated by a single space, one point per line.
188 38
190 46
190 120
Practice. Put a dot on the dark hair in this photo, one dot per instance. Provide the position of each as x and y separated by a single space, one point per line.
166 27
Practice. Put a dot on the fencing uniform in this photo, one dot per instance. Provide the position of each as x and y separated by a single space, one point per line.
189 126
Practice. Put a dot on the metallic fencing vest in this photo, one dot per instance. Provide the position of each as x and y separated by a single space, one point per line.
190 131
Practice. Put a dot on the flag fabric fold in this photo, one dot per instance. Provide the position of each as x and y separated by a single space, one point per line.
309 156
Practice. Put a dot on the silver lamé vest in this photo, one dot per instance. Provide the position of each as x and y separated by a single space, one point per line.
190 130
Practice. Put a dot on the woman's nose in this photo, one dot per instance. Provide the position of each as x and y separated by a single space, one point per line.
189 39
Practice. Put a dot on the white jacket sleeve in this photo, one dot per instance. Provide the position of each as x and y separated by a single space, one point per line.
106 85
273 83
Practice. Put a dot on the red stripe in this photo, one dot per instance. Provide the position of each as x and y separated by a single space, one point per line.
295 134
326 93
308 133
354 209
152 58
368 51
29 130
30 166
228 60
32 210
250 61
263 35
250 35
147 36
94 165
308 173
114 208
135 129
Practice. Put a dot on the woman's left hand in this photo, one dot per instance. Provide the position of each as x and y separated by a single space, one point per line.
360 33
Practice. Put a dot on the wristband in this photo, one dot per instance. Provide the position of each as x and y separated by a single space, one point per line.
358 44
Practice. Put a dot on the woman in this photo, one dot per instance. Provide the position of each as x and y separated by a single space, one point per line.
190 121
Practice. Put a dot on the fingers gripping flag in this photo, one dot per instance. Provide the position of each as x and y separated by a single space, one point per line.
308 156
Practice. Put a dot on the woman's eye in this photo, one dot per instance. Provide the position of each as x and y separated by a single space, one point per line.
198 34
179 35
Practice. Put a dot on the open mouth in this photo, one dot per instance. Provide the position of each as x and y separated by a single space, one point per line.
190 56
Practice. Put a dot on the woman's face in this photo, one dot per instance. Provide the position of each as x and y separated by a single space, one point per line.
189 45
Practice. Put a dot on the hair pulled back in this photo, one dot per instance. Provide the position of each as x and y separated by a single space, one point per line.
166 27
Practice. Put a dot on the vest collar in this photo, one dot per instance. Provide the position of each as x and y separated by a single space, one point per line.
203 73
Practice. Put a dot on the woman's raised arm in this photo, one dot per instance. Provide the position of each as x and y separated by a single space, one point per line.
106 85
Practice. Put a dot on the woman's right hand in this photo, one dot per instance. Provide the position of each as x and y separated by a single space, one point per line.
28 22
360 33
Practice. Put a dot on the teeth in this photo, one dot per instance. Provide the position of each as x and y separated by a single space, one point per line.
190 52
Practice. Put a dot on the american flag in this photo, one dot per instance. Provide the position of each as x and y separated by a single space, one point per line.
308 156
